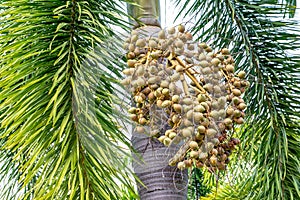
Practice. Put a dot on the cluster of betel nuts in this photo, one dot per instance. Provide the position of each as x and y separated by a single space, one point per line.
190 89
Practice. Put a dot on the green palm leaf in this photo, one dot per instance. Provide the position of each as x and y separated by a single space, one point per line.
265 45
58 129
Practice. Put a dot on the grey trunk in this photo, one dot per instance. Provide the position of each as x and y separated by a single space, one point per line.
160 181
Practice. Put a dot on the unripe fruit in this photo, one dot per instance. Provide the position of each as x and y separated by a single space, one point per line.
190 114
227 122
191 47
193 145
134 38
167 133
164 84
130 55
187 101
211 132
167 141
175 77
208 87
209 146
140 129
173 88
186 132
194 154
201 129
187 122
203 156
213 160
240 120
138 99
237 113
205 105
165 91
242 74
204 63
175 119
131 63
175 98
161 138
225 51
217 89
222 113
125 81
142 121
137 51
236 92
166 103
199 108
198 117
132 110
205 122
201 98
162 34
229 68
181 165
229 111
171 30
215 141
235 100
221 126
153 69
188 163
202 45
152 44
159 103
206 70
241 106
131 47
140 82
177 108
214 152
215 61
172 135
181 28
179 68
208 49
157 93
141 43
214 114
179 44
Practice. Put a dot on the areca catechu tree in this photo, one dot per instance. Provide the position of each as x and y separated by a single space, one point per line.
58 69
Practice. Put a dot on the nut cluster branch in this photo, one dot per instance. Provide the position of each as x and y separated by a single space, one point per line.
176 81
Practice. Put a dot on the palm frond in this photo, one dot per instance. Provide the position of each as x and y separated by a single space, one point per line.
265 45
57 78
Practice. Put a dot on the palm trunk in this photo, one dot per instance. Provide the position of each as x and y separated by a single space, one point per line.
160 181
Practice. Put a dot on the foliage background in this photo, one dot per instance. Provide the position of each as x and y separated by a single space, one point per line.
265 42
57 76
58 132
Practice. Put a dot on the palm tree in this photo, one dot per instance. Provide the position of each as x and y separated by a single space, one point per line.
58 129
265 42
151 157
58 67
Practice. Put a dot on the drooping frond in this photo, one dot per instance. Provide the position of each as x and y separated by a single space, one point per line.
265 45
59 137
